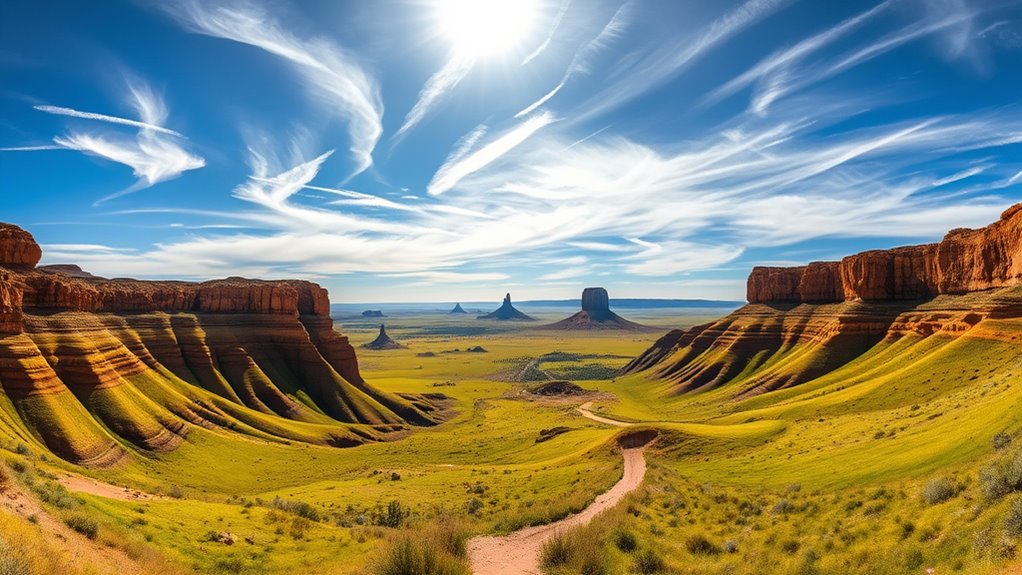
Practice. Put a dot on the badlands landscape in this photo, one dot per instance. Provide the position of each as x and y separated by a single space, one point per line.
858 416
510 287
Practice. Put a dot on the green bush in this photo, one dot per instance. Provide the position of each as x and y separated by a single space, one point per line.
1002 476
556 552
939 490
408 557
296 507
700 545
625 541
55 494
1013 522
450 536
783 507
393 516
83 524
593 563
11 562
648 563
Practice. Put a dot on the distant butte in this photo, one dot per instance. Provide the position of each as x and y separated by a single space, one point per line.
458 309
383 341
596 315
507 312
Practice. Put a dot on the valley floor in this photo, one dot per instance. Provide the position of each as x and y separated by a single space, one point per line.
881 468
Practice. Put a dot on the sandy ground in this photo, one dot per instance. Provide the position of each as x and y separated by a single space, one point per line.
586 410
93 487
518 553
76 548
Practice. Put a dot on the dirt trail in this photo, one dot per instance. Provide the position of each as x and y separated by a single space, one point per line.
586 410
76 548
91 486
518 553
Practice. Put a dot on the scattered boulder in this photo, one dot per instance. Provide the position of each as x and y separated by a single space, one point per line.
458 309
18 249
383 341
507 312
222 537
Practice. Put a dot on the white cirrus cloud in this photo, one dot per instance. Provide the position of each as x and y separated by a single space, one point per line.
329 71
451 172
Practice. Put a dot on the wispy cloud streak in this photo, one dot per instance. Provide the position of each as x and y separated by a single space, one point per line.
439 84
154 154
580 63
105 118
451 173
550 35
329 71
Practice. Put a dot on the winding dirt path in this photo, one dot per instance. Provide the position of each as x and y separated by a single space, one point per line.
75 548
518 553
91 486
586 410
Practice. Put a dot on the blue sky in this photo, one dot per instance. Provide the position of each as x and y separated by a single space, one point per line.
416 150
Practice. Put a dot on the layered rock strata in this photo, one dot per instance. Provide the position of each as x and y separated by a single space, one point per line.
93 368
964 261
808 321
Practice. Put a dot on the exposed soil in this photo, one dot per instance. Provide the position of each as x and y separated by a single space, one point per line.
76 548
586 410
518 553
91 486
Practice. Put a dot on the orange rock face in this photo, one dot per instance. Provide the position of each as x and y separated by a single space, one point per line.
17 247
10 304
770 284
79 356
964 261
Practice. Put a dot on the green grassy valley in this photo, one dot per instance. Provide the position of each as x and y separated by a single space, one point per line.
900 459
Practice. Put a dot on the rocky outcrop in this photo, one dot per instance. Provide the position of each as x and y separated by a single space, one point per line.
507 312
10 304
595 299
18 249
66 270
964 261
806 322
596 315
92 365
383 341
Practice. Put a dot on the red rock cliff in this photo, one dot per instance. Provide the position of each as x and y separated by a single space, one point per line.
964 261
234 353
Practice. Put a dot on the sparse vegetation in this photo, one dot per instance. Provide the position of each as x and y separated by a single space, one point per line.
939 490
788 482
11 563
83 524
648 562
439 550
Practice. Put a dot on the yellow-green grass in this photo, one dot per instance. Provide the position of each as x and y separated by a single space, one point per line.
904 412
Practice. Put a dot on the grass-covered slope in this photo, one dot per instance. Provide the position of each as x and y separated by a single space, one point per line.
91 387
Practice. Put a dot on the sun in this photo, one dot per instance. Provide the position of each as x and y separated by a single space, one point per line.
480 28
